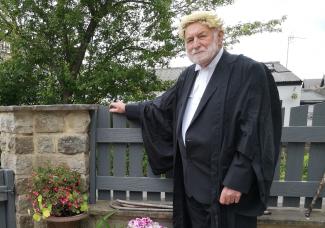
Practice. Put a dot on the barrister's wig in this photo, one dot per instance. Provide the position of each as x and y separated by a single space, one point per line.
208 18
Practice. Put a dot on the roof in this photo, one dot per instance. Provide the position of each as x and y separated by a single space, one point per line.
282 75
311 96
169 73
313 83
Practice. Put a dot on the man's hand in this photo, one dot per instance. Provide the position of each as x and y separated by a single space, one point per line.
229 196
118 107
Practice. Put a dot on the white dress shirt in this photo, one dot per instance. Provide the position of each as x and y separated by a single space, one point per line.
198 89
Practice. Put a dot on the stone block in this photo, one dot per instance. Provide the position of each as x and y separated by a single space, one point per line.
4 138
24 221
7 122
77 122
78 162
84 182
21 144
23 204
23 122
44 144
16 122
49 122
41 224
21 185
73 144
21 164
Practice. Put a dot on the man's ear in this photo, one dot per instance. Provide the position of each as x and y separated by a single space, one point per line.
220 35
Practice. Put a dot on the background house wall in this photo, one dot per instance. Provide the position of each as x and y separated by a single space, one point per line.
290 96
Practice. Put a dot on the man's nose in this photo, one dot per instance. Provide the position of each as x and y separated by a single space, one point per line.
196 42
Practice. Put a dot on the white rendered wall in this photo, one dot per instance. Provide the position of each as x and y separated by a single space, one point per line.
290 96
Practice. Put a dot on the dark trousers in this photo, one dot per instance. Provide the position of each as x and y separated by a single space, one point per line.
200 217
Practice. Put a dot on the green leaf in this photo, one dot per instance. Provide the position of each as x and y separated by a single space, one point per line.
84 206
37 217
46 212
39 198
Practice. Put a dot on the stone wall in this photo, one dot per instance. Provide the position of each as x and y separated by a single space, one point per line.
31 136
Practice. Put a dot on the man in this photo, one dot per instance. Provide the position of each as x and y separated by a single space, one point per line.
219 127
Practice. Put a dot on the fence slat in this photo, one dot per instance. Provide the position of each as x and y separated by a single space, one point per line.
2 214
294 188
303 134
3 199
119 155
7 202
133 135
11 208
103 156
119 135
295 154
155 196
316 163
154 185
135 163
92 158
169 195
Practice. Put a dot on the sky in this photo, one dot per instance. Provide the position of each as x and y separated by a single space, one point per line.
304 54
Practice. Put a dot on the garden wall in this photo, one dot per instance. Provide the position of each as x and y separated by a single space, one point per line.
31 136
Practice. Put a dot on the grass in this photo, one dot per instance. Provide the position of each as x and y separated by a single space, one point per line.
283 161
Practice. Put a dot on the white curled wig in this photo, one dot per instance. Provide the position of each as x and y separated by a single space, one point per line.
208 18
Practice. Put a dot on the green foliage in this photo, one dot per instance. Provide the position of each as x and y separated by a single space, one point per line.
233 33
283 161
93 51
103 221
305 167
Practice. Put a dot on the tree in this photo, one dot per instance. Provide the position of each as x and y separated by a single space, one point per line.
88 51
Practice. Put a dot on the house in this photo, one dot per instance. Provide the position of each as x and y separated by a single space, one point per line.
313 83
312 96
289 85
313 91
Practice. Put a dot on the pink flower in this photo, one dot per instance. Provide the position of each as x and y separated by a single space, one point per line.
144 222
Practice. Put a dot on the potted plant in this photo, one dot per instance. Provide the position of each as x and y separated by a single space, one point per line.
56 195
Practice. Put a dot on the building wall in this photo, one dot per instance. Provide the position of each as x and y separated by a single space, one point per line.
290 96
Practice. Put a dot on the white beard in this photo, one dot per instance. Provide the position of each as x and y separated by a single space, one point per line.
204 55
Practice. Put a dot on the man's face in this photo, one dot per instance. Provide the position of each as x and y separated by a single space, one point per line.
202 43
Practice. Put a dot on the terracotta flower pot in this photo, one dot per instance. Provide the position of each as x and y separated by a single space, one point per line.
65 222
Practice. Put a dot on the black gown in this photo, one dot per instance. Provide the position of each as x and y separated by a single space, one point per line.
249 120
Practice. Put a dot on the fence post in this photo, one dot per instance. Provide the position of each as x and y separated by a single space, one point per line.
7 199
92 158
11 214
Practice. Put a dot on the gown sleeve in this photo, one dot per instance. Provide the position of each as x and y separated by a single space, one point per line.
157 118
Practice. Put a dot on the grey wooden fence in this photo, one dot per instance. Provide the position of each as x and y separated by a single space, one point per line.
119 168
302 162
7 199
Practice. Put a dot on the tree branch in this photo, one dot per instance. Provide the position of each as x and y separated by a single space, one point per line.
89 33
134 1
